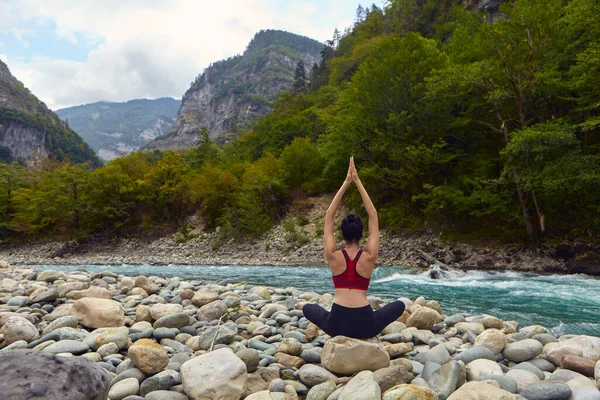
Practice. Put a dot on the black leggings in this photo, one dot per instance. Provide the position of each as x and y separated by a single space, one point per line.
358 323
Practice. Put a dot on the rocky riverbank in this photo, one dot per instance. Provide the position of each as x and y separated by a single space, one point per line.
105 335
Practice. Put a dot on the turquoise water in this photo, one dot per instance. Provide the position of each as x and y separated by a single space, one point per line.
563 303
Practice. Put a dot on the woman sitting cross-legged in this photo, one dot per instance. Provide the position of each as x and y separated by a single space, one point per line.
351 269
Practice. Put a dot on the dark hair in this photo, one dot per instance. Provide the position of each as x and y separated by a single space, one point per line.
352 228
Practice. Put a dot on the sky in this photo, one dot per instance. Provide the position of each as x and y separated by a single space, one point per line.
72 52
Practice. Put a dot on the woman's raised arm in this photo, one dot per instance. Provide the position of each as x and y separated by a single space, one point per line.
372 247
329 228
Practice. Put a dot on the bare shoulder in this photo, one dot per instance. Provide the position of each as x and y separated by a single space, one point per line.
337 263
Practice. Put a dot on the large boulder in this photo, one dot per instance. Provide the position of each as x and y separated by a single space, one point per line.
34 374
95 292
98 313
589 347
215 375
346 356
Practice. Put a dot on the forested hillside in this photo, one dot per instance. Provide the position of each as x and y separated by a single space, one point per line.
467 125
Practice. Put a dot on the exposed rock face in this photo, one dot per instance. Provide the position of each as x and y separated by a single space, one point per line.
231 93
116 129
25 375
29 131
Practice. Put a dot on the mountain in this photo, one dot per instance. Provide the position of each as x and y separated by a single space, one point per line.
114 129
31 132
230 95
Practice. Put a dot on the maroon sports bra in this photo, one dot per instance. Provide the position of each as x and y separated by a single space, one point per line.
350 278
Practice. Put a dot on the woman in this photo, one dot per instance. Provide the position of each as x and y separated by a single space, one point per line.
351 269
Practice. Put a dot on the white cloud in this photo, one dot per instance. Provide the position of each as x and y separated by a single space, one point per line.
151 48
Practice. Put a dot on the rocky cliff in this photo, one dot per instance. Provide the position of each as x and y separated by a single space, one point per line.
231 94
30 132
116 129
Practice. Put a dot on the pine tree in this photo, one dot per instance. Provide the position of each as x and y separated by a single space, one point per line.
360 15
300 78
337 36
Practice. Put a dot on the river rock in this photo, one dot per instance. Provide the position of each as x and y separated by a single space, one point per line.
124 388
477 368
290 346
68 346
146 284
157 311
505 382
172 321
547 391
148 356
102 336
444 380
398 349
423 318
161 381
47 296
98 313
362 386
475 353
34 374
250 358
391 376
70 321
346 356
493 339
321 391
589 346
216 375
261 379
531 368
523 350
410 392
312 375
92 292
212 311
481 391
523 378
470 327
18 328
579 364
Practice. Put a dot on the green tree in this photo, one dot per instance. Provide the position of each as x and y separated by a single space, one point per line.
12 177
302 163
299 85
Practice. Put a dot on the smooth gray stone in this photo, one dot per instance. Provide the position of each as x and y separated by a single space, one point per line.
218 334
277 385
392 338
177 346
165 395
129 373
585 393
506 382
543 364
545 338
429 369
439 355
164 333
70 321
68 346
445 380
296 335
454 319
547 391
260 346
475 353
161 381
133 397
19 344
311 356
18 301
126 364
531 368
51 336
417 367
564 375
172 321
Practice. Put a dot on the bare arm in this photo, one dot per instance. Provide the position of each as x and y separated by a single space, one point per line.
329 228
372 247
